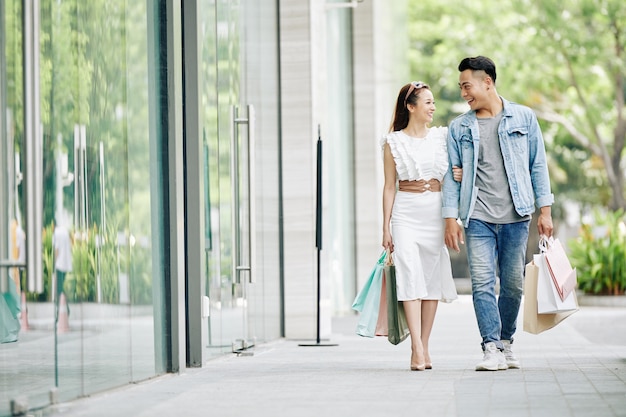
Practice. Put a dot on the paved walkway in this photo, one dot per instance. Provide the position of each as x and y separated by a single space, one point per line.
575 369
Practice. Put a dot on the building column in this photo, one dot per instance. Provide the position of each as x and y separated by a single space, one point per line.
381 67
302 75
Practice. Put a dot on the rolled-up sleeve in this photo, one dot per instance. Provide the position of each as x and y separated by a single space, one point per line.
451 188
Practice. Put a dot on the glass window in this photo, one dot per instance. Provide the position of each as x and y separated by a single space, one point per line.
97 321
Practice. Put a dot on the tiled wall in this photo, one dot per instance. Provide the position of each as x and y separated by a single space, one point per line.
378 75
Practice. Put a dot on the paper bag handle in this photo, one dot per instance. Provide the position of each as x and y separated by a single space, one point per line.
545 242
389 258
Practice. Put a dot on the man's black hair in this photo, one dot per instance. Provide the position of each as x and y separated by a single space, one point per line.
479 63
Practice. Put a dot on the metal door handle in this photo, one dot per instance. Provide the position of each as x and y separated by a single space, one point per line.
236 204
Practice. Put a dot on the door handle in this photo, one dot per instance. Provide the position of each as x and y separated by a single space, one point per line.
236 219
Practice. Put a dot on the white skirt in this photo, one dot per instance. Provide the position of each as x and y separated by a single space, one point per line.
421 258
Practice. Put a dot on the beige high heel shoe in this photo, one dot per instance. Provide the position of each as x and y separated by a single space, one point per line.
416 367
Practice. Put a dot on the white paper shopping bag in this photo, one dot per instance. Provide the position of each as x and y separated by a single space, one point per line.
560 269
548 299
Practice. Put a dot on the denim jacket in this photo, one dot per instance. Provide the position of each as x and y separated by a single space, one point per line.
524 157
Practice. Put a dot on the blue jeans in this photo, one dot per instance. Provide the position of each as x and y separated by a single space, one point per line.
493 248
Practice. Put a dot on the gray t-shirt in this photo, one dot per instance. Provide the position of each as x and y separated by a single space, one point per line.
494 203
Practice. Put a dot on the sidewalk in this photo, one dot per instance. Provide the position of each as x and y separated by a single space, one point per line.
575 369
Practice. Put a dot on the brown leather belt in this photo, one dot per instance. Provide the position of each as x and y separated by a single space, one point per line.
420 186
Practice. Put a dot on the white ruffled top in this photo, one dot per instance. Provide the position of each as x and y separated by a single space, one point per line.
419 158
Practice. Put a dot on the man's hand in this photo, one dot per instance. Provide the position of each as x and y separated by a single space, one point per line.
544 222
457 173
453 234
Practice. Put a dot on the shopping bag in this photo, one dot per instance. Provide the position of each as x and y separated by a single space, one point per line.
368 300
12 298
548 298
534 322
382 324
561 271
9 314
398 329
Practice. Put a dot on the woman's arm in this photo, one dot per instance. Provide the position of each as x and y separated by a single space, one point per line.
389 195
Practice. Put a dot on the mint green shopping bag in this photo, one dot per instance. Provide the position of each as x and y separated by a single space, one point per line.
9 314
367 302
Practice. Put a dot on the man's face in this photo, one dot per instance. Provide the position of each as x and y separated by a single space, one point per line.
473 88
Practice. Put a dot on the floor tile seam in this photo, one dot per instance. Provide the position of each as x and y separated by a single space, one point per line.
620 376
606 396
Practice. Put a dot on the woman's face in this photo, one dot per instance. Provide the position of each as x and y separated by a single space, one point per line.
423 110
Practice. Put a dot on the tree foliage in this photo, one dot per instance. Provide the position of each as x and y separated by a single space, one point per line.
93 72
563 58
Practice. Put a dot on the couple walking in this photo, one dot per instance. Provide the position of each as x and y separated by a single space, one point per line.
481 179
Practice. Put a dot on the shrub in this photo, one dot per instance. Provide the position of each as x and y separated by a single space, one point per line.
599 254
96 253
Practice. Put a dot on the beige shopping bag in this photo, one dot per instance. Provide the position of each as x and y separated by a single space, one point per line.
533 322
382 324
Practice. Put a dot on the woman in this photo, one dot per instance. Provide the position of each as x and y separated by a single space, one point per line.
413 228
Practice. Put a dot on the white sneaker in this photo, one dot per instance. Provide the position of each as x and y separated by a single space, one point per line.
511 361
493 359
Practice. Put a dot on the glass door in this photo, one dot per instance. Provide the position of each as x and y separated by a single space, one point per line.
227 185
26 346
243 215
239 118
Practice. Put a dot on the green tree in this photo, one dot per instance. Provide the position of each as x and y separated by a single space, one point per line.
563 58
579 48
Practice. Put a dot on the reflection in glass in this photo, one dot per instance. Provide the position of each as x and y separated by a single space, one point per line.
91 326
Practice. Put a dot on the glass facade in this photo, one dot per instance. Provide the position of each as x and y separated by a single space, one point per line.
75 90
84 273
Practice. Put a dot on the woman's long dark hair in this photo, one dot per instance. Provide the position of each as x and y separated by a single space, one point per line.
401 114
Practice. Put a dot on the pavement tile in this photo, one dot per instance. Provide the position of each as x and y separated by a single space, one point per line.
575 369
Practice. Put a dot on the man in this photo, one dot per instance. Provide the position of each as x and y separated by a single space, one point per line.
62 244
500 147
